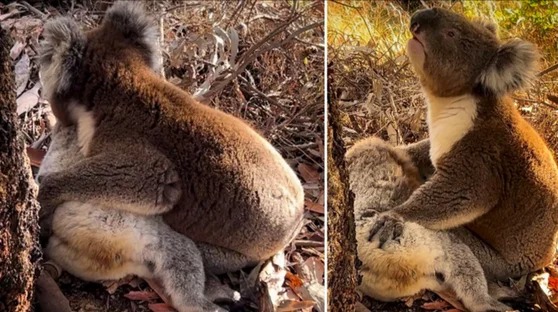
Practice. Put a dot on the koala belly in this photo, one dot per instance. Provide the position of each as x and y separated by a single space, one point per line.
95 243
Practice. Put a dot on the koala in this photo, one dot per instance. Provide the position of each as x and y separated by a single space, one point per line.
405 258
495 181
98 243
150 149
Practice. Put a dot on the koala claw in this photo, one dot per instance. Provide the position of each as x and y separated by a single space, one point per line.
169 191
388 227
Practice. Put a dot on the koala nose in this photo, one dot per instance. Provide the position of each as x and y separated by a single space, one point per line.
422 18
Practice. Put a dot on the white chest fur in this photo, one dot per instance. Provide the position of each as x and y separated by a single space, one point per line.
449 119
85 126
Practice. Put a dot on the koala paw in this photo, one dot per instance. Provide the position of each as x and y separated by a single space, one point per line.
388 227
169 190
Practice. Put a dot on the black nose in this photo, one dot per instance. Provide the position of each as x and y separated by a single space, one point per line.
422 18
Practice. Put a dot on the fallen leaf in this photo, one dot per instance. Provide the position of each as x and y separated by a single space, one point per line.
35 156
295 280
316 266
308 173
22 73
436 305
272 277
28 100
315 207
291 305
553 283
160 307
142 295
17 49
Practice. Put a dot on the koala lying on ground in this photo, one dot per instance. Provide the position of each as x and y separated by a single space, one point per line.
495 184
152 161
404 259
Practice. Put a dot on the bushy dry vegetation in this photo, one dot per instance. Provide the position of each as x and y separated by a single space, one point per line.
372 81
260 60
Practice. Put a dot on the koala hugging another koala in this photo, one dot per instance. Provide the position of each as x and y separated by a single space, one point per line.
141 178
477 202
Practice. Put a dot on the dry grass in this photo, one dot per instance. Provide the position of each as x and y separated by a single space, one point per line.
259 60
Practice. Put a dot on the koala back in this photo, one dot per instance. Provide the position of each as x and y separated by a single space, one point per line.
105 81
380 174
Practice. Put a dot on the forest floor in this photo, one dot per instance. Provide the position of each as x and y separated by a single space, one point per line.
379 95
277 49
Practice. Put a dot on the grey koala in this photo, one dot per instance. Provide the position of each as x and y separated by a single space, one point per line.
402 259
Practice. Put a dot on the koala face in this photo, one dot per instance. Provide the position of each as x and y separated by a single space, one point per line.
447 51
453 56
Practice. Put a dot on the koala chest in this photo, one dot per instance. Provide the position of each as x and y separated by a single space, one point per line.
449 119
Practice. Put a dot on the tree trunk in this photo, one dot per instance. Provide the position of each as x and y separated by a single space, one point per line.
19 248
341 255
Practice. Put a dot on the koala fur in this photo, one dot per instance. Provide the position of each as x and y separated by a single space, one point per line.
405 258
151 149
495 180
98 243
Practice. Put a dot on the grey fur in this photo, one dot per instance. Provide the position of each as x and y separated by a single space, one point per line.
403 257
130 19
60 55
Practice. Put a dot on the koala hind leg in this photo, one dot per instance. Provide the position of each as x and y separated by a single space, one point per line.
97 243
462 272
219 260
495 266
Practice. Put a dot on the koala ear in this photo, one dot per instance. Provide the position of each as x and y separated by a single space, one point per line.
61 54
513 67
131 21
487 24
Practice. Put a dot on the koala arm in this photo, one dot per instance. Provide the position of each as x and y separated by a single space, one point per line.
420 155
136 179
452 198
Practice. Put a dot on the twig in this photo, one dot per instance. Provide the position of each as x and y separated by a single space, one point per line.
548 70
536 102
253 53
552 98
34 10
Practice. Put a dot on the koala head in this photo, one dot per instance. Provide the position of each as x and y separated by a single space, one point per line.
69 56
453 56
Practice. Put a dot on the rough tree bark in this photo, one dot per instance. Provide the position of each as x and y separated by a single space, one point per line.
341 255
19 248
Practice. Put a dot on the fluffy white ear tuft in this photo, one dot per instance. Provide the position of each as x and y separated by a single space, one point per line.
130 19
512 68
487 24
61 55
